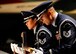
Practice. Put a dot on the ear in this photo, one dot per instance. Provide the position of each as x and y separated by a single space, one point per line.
35 19
49 10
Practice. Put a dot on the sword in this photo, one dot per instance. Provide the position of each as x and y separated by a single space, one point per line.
22 36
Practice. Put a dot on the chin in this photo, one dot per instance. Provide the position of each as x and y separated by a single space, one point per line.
29 28
47 24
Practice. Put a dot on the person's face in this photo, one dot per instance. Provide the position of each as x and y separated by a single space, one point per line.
46 18
30 23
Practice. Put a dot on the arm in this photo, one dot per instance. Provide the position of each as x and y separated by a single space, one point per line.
68 33
44 39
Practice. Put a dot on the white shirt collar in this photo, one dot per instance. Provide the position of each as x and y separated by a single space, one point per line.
55 16
34 29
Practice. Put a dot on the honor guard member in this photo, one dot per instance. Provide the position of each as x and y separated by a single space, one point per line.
42 34
63 27
30 20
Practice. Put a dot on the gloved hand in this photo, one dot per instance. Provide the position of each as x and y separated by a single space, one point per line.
15 48
36 51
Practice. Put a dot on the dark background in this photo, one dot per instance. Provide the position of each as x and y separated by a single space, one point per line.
11 26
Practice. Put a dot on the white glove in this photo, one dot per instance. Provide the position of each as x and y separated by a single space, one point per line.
50 50
41 49
36 51
15 48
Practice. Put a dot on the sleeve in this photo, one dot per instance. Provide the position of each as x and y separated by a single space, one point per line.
68 34
43 38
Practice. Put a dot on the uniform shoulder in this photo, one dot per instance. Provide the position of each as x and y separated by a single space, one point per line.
43 29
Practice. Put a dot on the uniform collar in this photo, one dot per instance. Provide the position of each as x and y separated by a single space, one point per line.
55 16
